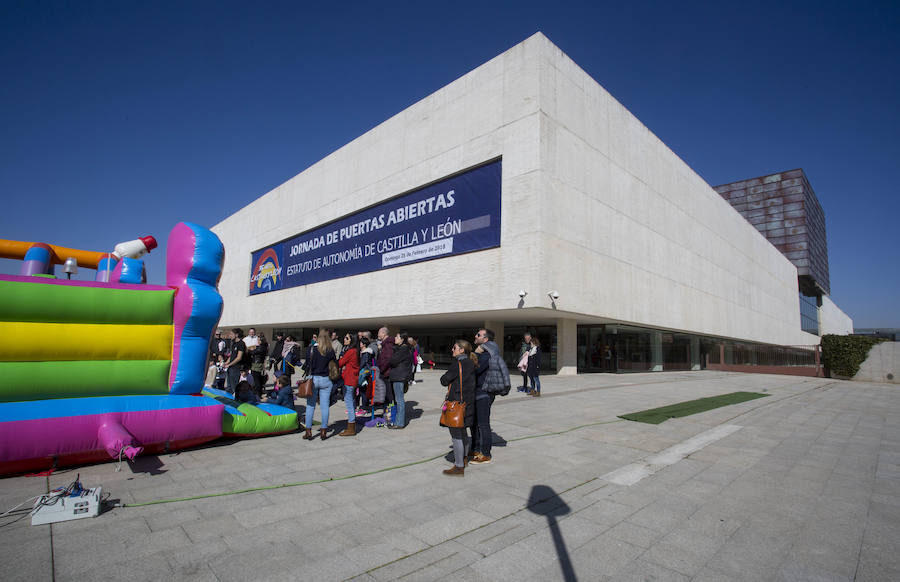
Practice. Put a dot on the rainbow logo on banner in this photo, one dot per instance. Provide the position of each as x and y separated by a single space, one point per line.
266 274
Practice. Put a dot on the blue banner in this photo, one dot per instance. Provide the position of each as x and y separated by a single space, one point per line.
457 215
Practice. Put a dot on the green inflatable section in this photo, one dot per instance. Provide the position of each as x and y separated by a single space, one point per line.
45 380
48 303
255 421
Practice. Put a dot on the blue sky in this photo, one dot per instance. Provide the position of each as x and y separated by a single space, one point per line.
121 119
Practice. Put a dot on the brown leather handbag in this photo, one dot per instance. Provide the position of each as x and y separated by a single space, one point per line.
453 412
305 387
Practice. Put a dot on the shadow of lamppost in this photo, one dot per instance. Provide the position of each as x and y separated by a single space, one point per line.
544 501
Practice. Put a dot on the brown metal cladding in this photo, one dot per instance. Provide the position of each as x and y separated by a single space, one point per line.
784 208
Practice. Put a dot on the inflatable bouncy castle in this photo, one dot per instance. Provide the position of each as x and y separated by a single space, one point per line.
110 368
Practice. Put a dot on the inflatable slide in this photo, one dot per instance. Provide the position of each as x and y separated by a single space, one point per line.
110 368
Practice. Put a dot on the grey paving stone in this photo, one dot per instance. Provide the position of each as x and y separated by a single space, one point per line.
437 560
216 527
664 514
711 523
163 517
27 553
499 534
797 570
604 555
111 547
720 474
635 534
137 569
374 551
606 512
751 553
874 568
448 526
640 570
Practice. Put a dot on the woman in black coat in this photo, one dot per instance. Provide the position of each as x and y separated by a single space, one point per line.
534 367
460 380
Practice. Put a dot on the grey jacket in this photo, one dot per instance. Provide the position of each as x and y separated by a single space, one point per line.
497 377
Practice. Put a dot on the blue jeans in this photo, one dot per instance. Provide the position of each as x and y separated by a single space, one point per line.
321 393
481 433
535 383
349 399
400 403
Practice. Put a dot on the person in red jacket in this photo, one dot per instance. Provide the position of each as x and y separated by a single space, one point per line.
349 364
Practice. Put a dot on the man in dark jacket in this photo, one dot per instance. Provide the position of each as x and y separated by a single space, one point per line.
385 353
492 379
401 361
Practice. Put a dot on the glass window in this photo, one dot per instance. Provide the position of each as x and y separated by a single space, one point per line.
809 314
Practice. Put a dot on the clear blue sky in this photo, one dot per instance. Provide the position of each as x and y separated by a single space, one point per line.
120 119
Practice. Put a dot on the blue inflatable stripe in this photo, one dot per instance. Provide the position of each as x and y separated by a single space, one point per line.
229 409
37 409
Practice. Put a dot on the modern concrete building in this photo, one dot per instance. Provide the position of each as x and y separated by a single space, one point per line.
521 195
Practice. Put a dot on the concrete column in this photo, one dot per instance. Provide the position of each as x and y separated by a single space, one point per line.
498 328
656 359
695 353
566 347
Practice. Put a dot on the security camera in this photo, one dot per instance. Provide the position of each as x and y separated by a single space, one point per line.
523 293
553 295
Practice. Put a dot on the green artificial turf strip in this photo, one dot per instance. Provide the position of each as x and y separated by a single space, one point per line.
658 415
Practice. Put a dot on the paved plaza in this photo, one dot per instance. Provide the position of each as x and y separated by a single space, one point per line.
801 485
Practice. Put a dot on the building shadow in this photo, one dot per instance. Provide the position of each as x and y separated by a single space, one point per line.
543 500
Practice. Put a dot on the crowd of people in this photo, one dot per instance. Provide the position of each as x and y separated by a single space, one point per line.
372 373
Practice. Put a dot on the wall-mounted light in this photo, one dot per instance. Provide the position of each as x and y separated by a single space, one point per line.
554 295
523 293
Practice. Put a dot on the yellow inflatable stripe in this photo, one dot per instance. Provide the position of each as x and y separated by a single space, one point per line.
42 342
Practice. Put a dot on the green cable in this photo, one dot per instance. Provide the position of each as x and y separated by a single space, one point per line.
344 477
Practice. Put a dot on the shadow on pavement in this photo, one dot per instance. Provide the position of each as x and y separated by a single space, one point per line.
543 500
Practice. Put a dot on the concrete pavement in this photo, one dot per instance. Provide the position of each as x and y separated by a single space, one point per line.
801 485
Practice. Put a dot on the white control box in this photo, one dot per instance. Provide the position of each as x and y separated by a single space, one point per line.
52 508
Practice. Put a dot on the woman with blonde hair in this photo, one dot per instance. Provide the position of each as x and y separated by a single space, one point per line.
316 365
460 382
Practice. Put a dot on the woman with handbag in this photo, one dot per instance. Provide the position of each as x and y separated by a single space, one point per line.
458 411
317 366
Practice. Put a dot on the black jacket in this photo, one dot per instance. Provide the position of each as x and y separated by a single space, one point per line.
401 363
275 352
451 378
534 364
317 364
484 363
